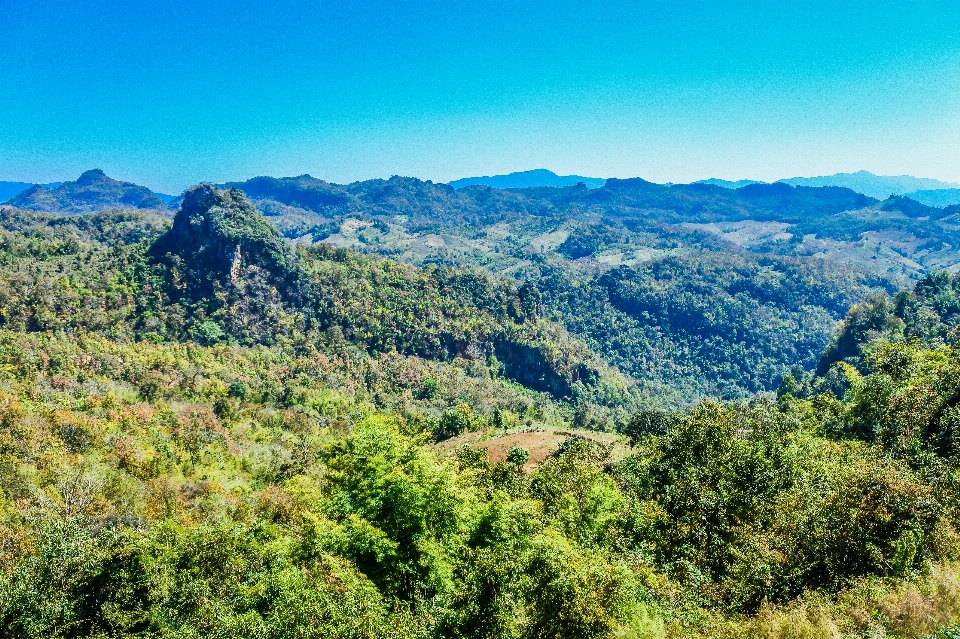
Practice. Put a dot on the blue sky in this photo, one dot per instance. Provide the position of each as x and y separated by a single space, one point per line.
171 93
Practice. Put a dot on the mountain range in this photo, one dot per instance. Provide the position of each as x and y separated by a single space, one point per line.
207 429
924 190
927 191
633 269
878 186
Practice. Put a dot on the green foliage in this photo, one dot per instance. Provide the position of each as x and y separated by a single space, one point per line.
195 444
518 456
429 389
714 324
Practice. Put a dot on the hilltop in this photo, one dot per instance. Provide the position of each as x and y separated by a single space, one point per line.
92 191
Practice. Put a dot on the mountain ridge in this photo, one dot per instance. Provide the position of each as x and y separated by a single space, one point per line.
528 179
926 190
878 186
424 452
91 192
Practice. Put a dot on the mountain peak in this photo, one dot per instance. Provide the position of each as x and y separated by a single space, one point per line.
92 191
93 176
218 235
219 223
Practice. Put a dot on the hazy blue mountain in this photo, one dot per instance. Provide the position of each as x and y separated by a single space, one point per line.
529 179
878 186
92 191
728 184
12 189
167 199
936 197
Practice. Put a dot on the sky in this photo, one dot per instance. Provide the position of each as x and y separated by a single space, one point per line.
169 93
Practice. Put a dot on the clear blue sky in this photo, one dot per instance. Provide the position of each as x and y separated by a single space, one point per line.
170 93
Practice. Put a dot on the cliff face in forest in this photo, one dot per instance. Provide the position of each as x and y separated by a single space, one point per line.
218 236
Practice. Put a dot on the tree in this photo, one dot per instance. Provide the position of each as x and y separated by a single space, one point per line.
518 456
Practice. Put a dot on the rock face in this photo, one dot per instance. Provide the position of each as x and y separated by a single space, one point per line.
93 191
219 241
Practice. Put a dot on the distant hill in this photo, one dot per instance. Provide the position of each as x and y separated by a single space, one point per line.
878 186
529 179
939 197
727 184
12 189
92 191
924 190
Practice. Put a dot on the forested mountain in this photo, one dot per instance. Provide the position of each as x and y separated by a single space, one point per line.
625 221
207 430
923 190
92 191
709 312
878 186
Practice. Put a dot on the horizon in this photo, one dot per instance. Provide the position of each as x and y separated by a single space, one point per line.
55 183
359 90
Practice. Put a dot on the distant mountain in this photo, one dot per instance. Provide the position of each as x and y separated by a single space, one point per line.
12 189
940 198
167 199
92 191
529 179
878 186
727 184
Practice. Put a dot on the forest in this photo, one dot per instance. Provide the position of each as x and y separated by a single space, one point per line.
207 430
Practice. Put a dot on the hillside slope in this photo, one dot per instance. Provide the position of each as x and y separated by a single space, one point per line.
714 319
181 490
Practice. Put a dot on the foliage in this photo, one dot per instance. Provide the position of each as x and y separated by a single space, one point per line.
288 443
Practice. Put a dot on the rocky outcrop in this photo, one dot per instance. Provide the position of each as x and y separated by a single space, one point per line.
220 241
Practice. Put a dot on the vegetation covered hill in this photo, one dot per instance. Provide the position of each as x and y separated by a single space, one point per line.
221 274
420 221
692 290
92 191
689 283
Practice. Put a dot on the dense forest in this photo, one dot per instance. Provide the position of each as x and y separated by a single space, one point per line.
693 291
209 431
